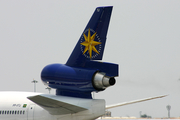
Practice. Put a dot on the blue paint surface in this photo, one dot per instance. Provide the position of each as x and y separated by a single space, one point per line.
75 77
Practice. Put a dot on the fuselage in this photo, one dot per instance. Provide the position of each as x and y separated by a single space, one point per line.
16 106
73 81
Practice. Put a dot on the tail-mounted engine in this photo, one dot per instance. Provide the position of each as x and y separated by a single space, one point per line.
82 74
100 81
71 80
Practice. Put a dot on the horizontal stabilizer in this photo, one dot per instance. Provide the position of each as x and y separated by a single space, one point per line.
56 105
135 101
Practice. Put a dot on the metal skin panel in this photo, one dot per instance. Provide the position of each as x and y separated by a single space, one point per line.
93 108
98 23
111 69
68 108
68 78
11 101
74 82
75 78
96 108
57 105
71 107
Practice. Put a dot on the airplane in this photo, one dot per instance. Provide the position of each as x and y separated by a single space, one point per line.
74 81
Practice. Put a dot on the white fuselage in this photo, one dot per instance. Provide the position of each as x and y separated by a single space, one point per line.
16 106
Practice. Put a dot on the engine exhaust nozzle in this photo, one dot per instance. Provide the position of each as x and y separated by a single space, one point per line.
101 81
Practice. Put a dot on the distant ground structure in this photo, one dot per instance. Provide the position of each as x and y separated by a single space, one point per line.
145 116
107 114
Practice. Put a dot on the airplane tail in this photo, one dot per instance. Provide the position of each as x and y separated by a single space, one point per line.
81 75
92 41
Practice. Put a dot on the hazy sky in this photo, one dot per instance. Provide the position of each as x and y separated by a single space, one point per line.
143 38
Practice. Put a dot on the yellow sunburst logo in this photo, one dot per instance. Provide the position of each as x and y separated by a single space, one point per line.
90 44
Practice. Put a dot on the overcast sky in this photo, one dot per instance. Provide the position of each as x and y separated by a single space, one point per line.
143 38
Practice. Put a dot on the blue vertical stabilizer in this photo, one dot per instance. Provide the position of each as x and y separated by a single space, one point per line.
92 41
81 74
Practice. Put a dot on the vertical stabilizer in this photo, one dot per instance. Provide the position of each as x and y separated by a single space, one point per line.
81 74
92 41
